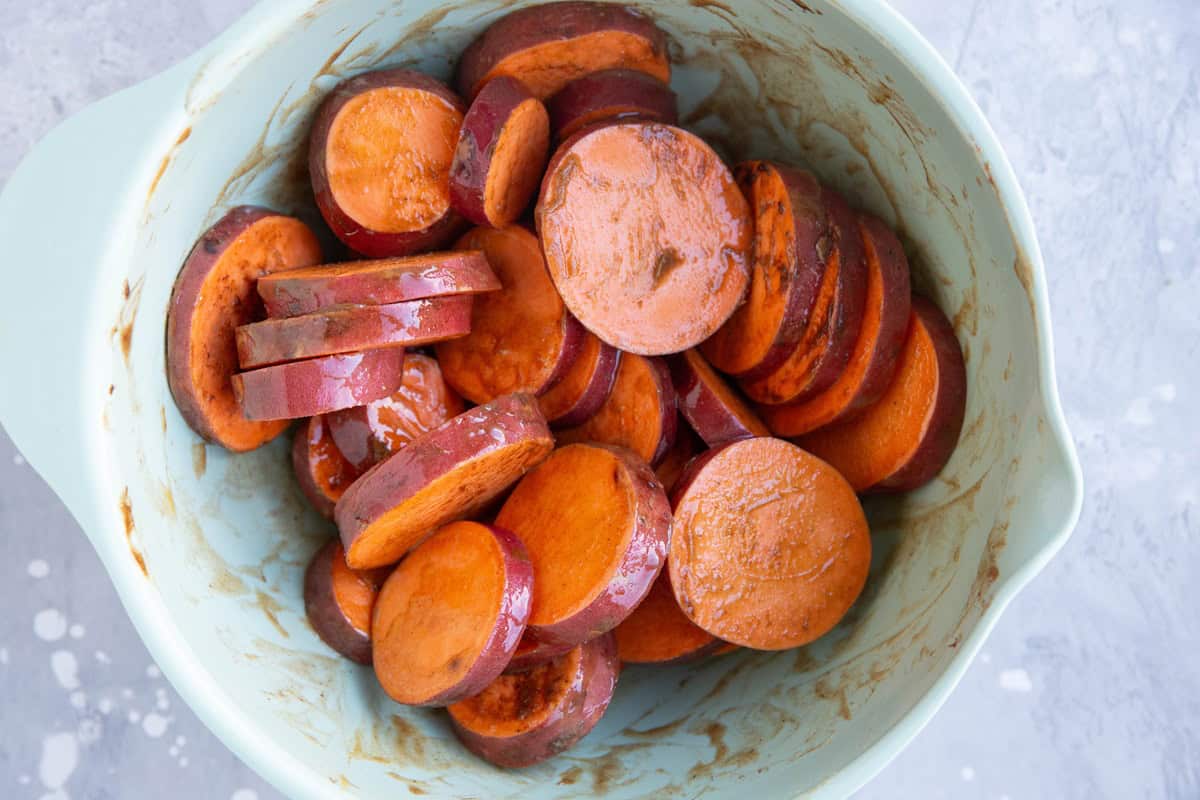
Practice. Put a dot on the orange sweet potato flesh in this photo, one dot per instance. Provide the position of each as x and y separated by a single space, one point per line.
522 337
770 547
355 590
514 704
437 612
907 436
658 632
393 142
646 234
873 362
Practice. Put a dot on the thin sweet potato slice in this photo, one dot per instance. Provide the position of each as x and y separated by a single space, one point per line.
595 521
449 617
547 46
338 601
527 717
318 385
446 474
580 392
212 296
366 435
904 439
379 157
687 446
322 471
640 412
646 235
658 632
522 337
610 94
791 245
873 362
711 407
502 150
824 350
347 329
770 547
530 653
292 292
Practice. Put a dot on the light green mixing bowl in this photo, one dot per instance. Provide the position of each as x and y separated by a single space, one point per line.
207 549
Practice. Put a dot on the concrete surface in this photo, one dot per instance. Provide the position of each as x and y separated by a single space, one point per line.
1089 687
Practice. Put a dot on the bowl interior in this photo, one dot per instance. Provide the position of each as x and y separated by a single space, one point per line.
224 539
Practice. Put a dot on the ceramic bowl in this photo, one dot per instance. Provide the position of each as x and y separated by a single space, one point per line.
207 549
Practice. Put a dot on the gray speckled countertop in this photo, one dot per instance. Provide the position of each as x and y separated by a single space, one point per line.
1090 685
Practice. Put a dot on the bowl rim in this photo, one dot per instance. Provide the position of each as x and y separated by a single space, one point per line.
223 58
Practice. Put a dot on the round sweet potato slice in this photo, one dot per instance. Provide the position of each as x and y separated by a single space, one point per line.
446 474
547 46
658 632
450 616
322 471
771 546
610 94
379 157
595 521
827 343
212 296
347 329
522 337
524 718
619 218
711 407
502 150
318 385
582 390
338 601
791 244
873 362
530 653
292 292
366 435
640 412
904 439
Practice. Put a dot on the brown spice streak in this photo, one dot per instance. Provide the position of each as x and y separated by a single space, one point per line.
127 517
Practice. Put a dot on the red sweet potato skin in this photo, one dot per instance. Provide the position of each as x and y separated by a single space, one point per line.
319 385
323 612
610 94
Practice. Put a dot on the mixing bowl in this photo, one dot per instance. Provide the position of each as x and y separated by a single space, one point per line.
207 549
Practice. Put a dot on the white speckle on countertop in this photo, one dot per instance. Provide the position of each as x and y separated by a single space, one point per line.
1166 245
65 668
38 568
183 761
1015 680
244 794
90 730
1165 392
76 631
3 655
153 672
1139 412
105 706
161 702
102 657
155 725
60 756
49 625
134 717
78 700
967 773
18 459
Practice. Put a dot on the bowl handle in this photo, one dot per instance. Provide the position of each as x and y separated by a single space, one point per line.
64 222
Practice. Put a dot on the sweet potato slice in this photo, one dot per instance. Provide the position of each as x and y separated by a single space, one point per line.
639 413
610 94
379 157
322 471
292 292
522 337
646 235
366 435
770 547
530 653
580 392
449 617
338 601
347 329
791 245
547 46
502 150
318 385
711 407
873 362
905 438
687 446
445 474
595 521
213 295
824 350
658 632
527 717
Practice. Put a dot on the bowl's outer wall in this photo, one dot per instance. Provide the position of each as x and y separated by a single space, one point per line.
209 549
